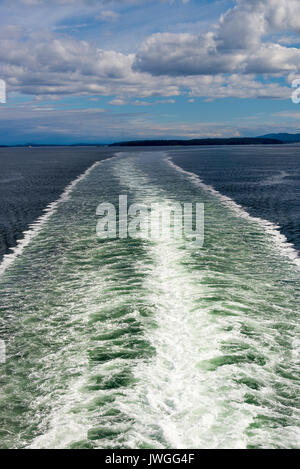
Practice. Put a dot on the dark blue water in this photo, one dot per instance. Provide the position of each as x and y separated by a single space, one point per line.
264 180
31 178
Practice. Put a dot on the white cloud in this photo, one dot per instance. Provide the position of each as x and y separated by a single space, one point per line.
288 114
221 63
99 126
151 103
108 15
238 44
54 66
166 101
39 125
117 102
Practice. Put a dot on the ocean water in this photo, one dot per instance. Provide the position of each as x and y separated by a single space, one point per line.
32 178
265 181
135 343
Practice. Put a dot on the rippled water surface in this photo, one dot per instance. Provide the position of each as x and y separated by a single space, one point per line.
31 178
152 344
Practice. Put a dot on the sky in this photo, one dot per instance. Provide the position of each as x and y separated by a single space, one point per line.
101 71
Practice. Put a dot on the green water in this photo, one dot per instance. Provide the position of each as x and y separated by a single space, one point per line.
139 344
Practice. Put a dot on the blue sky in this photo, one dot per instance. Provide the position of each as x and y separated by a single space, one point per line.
103 71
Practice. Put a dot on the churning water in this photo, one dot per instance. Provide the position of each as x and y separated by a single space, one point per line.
150 344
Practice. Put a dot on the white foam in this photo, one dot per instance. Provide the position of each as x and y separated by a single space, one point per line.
176 403
179 401
286 249
38 224
174 392
277 179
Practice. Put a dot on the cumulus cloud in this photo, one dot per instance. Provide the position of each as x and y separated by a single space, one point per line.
68 66
184 54
223 62
238 44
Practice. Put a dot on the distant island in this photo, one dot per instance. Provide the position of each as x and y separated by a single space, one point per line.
284 137
269 139
202 141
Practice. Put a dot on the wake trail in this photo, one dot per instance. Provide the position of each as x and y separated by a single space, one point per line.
38 224
280 241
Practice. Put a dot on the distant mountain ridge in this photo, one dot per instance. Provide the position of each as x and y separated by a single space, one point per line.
202 141
268 139
283 137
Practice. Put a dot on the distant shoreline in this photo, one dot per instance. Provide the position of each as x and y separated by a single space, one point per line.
164 143
201 142
269 139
